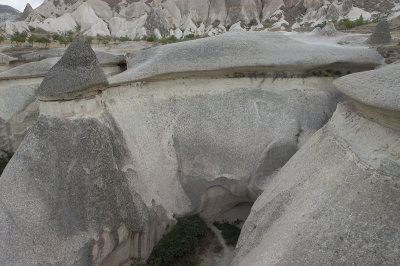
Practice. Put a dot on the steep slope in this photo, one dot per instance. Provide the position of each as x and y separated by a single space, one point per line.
8 13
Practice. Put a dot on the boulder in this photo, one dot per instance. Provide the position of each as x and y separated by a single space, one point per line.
78 72
381 35
337 199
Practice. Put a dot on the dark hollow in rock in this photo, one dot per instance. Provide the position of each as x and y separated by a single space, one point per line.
381 35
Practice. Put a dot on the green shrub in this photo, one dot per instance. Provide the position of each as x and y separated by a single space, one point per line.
31 29
78 28
5 157
89 39
2 38
182 240
230 232
18 38
216 23
189 36
151 39
123 39
346 24
32 39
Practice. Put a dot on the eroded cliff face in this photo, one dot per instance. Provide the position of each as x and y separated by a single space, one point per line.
336 200
100 177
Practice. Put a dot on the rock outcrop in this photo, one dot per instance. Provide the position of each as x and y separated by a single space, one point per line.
98 179
8 13
381 35
77 73
28 10
337 199
139 19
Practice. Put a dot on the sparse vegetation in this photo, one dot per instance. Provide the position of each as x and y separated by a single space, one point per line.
89 39
1 39
230 232
78 28
151 39
171 39
182 240
5 157
123 39
31 28
216 23
18 38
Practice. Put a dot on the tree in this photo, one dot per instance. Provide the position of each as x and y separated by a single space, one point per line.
89 39
62 41
1 38
18 38
32 39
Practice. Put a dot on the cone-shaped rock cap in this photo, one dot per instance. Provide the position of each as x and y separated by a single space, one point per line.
77 73
378 88
381 35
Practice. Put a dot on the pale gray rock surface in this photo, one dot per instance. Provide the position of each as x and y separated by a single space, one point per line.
63 186
104 58
329 30
77 72
252 50
18 112
378 88
30 70
336 201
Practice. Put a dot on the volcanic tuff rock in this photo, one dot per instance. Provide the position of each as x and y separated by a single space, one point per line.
138 19
381 35
28 9
78 72
98 179
248 48
8 13
337 199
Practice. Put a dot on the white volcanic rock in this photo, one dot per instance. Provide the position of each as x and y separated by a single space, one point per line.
236 27
214 54
8 28
121 27
91 24
340 191
61 24
30 70
157 34
188 27
138 154
18 112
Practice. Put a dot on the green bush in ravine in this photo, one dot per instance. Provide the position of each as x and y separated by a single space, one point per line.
230 232
5 157
182 240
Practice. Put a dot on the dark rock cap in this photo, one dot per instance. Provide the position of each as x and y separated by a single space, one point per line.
381 34
77 73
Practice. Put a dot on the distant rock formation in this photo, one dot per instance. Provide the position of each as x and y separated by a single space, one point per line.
337 199
328 30
77 73
8 13
28 9
381 35
142 18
